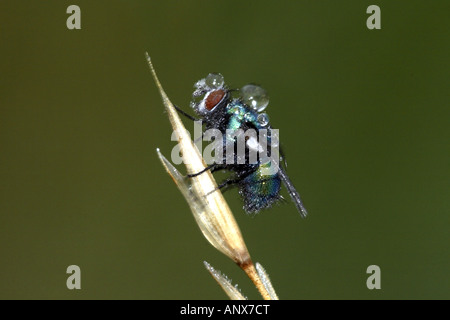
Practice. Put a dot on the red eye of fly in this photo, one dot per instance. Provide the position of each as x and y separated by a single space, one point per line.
213 99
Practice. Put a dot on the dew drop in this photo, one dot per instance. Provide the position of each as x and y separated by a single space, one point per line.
255 97
263 119
214 80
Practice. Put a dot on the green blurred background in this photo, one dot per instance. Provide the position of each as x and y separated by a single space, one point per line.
363 118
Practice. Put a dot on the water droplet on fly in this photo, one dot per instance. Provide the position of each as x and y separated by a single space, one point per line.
263 119
255 97
214 80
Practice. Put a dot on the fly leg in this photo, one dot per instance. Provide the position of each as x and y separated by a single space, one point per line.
187 115
213 167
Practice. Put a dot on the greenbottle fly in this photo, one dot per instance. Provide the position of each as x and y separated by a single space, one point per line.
231 111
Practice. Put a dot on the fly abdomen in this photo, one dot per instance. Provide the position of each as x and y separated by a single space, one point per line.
259 191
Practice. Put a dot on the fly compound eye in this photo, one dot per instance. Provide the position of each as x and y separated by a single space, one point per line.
214 81
213 98
209 92
255 97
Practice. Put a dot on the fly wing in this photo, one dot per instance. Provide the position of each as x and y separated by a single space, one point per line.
292 192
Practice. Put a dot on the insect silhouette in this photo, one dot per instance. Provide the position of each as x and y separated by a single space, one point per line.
233 112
